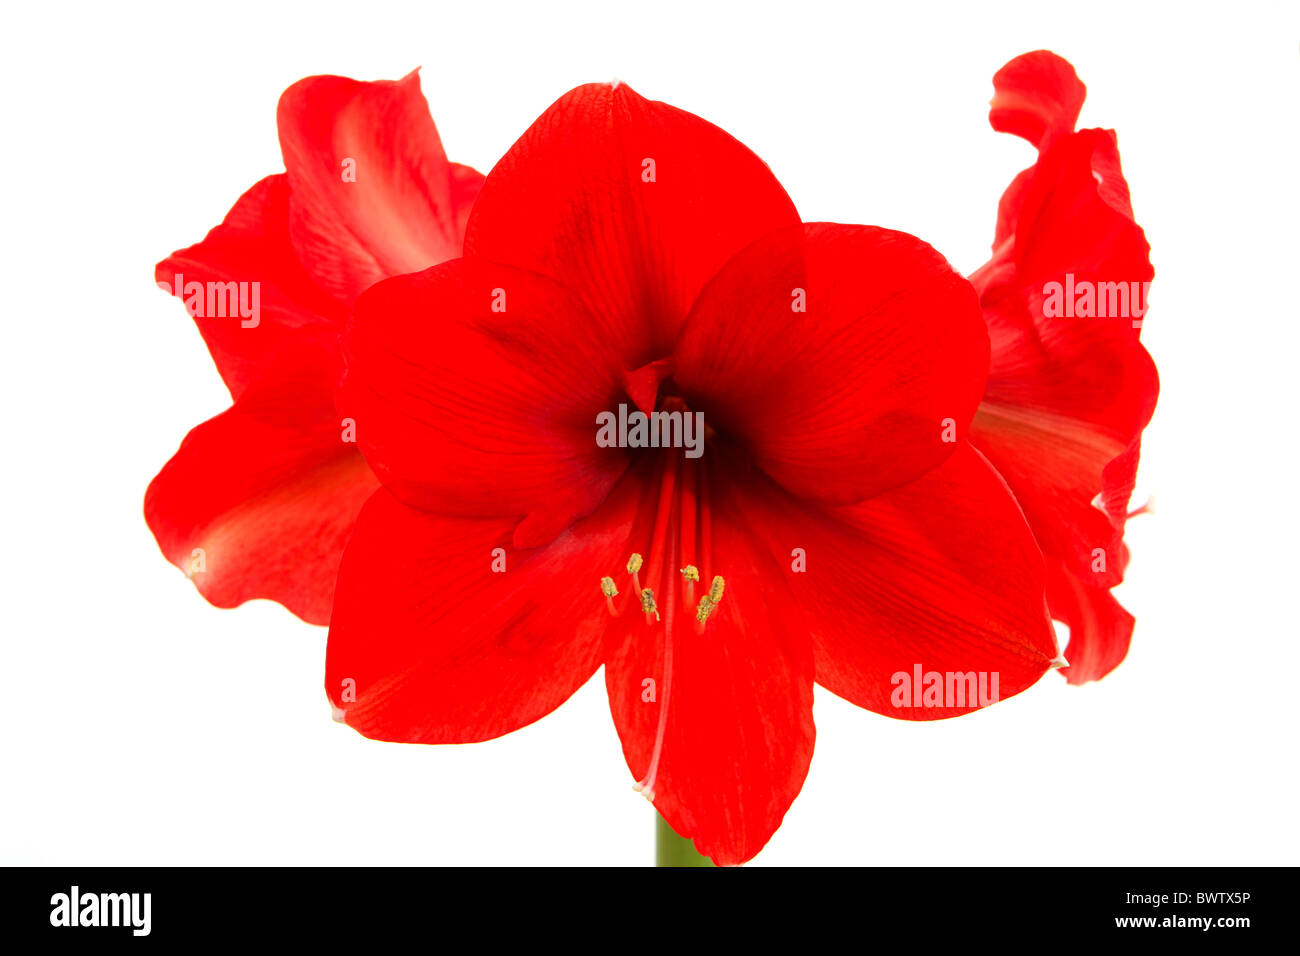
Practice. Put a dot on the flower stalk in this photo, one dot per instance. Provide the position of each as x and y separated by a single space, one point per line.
674 850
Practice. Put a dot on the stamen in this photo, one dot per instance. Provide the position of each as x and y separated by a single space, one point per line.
610 590
715 589
690 574
688 506
634 569
648 604
705 609
708 603
706 518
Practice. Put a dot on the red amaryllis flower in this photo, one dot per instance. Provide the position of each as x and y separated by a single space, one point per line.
1070 386
825 521
258 502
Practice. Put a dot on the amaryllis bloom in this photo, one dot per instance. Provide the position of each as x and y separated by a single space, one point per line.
834 526
1070 386
258 502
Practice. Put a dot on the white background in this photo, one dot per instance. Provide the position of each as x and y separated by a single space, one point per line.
141 725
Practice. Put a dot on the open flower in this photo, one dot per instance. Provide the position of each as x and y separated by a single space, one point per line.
1070 387
627 258
258 501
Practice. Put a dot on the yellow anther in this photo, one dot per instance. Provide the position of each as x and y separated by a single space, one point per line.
715 589
648 603
608 588
634 563
691 572
705 609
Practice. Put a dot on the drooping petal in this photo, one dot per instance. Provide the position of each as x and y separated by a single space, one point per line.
444 632
373 194
259 501
716 723
630 203
1118 479
941 575
847 360
1054 465
1037 96
1070 386
476 389
1100 628
1073 214
249 254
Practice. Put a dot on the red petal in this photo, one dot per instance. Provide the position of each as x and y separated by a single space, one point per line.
1067 395
570 200
465 185
735 700
1118 480
870 387
1100 629
484 412
941 574
405 209
1073 214
1038 96
437 647
268 491
1054 466
250 246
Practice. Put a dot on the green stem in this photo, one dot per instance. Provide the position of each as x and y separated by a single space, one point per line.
672 850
